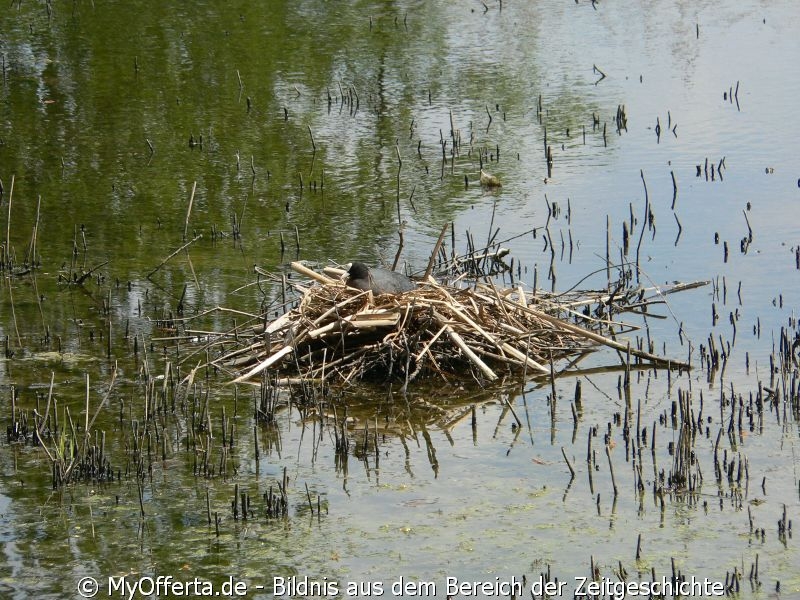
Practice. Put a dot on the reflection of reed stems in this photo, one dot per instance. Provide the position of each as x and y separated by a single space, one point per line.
8 225
189 211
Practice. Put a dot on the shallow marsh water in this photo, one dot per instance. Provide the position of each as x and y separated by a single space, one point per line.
99 103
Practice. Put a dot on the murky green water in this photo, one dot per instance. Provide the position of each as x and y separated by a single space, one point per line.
286 119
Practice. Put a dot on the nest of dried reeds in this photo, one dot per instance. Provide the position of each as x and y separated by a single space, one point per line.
338 333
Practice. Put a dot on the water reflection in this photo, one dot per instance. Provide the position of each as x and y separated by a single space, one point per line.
303 109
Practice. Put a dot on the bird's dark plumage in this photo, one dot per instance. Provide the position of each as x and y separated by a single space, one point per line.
380 281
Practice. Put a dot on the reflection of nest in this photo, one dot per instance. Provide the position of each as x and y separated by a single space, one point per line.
339 333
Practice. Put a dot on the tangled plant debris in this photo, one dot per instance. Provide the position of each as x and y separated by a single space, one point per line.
443 330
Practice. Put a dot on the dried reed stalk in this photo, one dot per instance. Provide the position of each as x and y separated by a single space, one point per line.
339 333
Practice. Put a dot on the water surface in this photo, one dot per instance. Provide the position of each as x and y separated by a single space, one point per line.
287 120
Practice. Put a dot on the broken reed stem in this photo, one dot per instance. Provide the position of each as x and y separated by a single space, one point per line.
189 211
40 426
674 189
571 470
8 223
163 262
453 306
304 270
435 252
141 498
644 223
308 496
608 251
87 274
313 145
399 218
86 422
400 245
513 412
30 259
611 469
749 229
399 169
599 338
459 341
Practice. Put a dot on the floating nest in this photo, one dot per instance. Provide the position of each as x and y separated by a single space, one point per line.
447 331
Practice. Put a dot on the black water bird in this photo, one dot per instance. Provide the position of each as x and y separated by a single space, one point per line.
380 281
